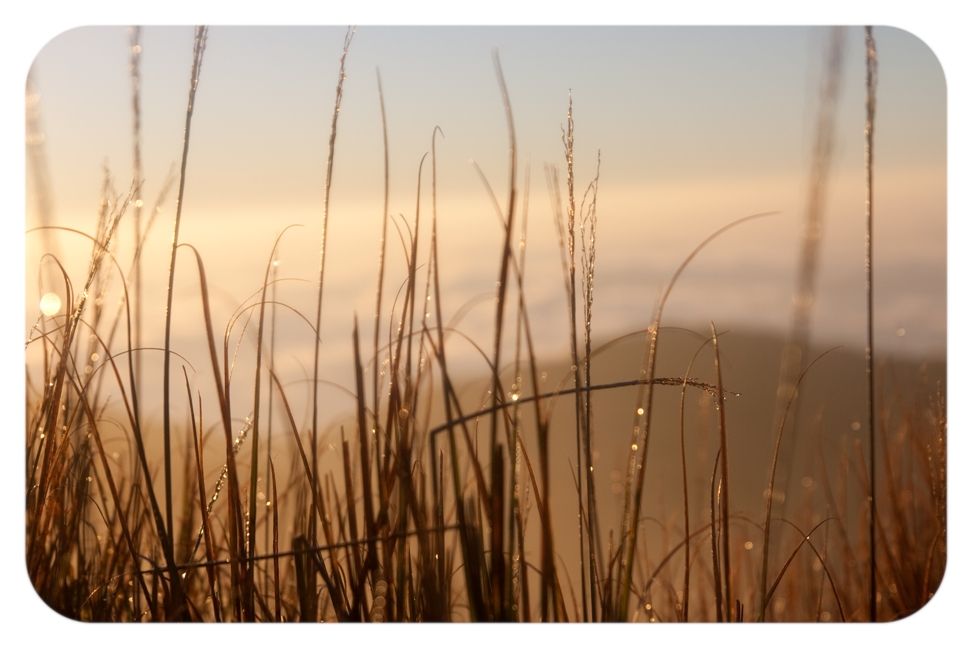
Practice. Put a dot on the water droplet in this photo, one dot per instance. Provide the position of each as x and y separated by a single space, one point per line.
641 411
748 545
634 446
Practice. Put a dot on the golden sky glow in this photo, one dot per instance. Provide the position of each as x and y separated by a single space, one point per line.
695 127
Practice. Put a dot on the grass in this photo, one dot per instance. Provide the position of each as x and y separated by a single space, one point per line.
423 518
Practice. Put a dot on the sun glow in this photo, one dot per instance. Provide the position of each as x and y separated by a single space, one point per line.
50 304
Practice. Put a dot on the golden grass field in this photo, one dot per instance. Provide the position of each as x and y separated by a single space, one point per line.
680 473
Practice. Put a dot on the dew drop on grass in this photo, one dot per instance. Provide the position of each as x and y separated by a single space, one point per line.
748 545
641 410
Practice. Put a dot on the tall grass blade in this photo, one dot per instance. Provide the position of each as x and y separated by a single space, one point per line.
871 84
339 93
199 48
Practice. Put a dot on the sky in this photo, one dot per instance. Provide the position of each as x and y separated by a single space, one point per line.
695 127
